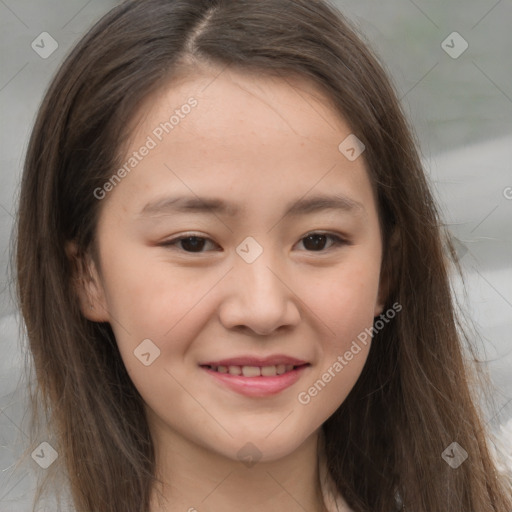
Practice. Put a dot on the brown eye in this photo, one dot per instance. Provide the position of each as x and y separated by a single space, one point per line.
313 242
316 241
190 243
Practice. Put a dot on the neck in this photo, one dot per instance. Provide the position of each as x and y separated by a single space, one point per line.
195 479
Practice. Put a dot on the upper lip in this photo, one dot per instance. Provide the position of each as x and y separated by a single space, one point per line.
256 361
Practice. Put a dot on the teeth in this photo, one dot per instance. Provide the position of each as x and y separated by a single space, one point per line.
254 371
234 370
268 371
251 371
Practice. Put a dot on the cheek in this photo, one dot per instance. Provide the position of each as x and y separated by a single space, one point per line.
344 298
344 303
145 294
345 310
149 300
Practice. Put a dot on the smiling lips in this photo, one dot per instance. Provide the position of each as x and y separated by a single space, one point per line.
257 377
253 371
250 366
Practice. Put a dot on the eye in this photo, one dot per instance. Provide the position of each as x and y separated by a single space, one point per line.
189 243
313 242
316 241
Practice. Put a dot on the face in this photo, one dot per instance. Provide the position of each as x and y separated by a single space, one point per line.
278 273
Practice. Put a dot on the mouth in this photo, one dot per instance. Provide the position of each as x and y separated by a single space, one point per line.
256 381
254 371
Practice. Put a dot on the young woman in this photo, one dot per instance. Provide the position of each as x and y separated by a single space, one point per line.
232 274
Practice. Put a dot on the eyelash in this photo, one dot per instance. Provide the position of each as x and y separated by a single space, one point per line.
337 241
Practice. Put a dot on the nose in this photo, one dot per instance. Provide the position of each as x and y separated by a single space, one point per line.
260 298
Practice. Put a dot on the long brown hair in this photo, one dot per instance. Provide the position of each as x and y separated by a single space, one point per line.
414 396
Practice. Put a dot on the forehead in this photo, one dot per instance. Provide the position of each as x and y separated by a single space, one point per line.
228 99
226 133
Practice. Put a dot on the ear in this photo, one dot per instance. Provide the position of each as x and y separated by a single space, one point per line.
87 285
388 273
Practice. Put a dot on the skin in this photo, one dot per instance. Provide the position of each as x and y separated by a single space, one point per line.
261 143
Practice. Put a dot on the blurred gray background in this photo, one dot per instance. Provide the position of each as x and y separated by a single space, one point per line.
458 100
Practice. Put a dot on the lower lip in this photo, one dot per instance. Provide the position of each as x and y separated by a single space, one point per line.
258 386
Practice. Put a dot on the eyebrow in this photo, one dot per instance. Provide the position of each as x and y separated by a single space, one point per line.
213 206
